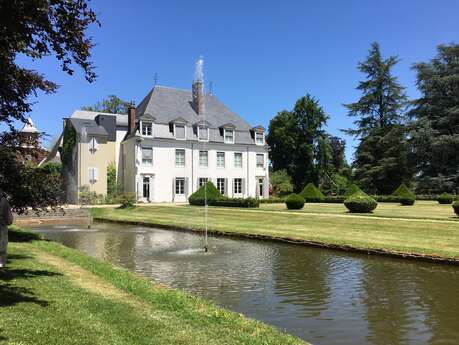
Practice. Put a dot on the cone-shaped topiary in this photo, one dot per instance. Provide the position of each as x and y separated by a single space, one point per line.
360 203
352 189
311 193
208 190
456 207
294 202
445 198
404 195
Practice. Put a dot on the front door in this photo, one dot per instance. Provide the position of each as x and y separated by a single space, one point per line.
146 188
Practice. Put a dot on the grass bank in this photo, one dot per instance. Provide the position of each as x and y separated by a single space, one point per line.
51 294
432 239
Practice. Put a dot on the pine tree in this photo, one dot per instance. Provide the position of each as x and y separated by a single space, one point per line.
435 134
381 159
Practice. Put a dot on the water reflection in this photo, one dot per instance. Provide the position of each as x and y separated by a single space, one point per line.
323 296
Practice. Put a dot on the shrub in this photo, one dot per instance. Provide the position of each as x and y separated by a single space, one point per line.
88 197
407 200
272 201
402 190
294 202
352 189
456 207
335 199
311 193
281 182
360 203
212 194
127 200
445 198
237 202
404 195
386 198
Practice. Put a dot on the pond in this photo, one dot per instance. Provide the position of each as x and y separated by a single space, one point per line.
323 296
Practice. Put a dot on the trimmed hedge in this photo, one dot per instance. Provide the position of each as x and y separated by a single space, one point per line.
360 203
456 207
237 202
272 201
405 195
407 200
311 193
294 202
352 189
402 190
445 198
212 193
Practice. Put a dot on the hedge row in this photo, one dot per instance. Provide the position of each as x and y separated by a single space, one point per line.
215 198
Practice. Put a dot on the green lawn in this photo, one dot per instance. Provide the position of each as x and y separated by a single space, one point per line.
55 295
432 237
421 209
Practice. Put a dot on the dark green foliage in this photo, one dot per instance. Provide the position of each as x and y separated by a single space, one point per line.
112 104
88 197
435 135
360 203
293 141
127 200
401 190
272 201
456 207
294 202
334 199
209 191
407 200
352 189
386 198
404 195
311 193
445 198
281 182
237 202
68 144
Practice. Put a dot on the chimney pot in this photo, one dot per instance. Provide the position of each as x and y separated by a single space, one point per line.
131 119
198 96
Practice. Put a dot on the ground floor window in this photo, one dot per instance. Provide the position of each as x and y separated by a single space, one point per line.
146 187
260 186
221 185
237 186
202 181
180 186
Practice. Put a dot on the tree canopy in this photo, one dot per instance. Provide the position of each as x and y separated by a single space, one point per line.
112 104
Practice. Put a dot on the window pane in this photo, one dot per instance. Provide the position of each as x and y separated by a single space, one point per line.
180 131
220 159
180 185
238 160
202 181
221 185
237 186
229 136
260 160
147 155
180 158
203 133
203 158
146 128
259 138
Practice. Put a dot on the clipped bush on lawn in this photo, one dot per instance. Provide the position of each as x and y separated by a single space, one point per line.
386 198
456 207
237 202
212 194
311 193
360 203
405 196
294 202
352 189
445 198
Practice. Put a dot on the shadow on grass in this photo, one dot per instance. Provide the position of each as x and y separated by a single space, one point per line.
22 236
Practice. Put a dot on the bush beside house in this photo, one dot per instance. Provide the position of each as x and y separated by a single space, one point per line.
215 198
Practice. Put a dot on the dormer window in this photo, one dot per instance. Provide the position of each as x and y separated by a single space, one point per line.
179 131
203 133
229 136
147 128
259 138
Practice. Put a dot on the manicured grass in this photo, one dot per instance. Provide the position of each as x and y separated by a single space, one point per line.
437 238
420 210
55 295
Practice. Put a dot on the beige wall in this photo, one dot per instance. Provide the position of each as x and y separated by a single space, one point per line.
100 159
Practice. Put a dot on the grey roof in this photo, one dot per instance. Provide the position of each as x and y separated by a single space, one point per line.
88 126
167 104
121 119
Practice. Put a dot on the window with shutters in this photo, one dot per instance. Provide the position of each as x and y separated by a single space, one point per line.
237 186
180 158
237 159
220 159
202 181
179 131
221 185
147 156
180 186
260 160
92 175
203 159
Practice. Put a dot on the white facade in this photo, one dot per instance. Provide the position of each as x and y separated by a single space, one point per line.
177 167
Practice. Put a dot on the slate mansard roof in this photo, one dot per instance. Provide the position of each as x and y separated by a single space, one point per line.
166 104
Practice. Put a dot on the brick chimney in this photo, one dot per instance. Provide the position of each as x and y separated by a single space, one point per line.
131 119
198 96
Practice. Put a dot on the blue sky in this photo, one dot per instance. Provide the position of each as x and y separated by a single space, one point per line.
260 55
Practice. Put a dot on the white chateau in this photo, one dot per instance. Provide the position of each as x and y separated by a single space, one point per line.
167 147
